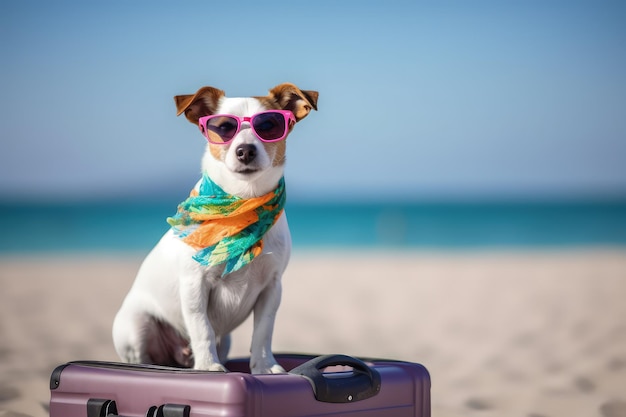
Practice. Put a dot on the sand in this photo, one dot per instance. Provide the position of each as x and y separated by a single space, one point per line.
517 333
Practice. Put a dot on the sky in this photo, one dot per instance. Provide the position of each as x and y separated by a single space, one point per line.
417 100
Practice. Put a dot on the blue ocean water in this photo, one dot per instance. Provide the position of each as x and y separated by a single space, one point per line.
136 226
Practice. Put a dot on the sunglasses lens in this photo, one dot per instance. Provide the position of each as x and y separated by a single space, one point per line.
269 125
221 129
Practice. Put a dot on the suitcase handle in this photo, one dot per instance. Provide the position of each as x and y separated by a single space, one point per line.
97 407
339 387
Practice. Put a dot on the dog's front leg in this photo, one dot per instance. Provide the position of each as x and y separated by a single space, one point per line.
262 360
194 294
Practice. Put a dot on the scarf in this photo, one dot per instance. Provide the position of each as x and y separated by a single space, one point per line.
226 229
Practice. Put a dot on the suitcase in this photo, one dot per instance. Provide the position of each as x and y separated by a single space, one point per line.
330 385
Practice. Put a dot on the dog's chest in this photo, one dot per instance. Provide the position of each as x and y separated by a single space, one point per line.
232 298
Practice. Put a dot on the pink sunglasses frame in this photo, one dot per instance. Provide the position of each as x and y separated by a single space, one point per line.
290 119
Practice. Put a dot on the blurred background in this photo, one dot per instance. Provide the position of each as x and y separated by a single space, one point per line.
462 186
440 125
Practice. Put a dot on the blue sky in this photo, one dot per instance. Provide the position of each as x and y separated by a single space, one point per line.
418 100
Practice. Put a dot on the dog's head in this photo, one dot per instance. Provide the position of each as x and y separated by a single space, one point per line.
246 136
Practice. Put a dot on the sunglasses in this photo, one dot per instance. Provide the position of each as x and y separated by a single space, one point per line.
269 126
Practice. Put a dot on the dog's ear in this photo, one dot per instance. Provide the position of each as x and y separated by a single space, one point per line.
289 97
203 103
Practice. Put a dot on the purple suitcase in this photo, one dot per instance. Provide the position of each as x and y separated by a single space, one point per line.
331 385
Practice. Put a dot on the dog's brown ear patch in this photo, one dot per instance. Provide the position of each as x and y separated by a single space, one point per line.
203 103
287 96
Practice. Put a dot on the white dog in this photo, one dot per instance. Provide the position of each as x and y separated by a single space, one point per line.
229 243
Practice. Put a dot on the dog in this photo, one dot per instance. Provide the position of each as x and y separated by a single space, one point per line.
186 298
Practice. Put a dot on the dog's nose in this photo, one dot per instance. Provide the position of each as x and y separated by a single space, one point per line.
246 153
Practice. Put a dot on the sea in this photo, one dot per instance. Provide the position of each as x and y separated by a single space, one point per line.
135 226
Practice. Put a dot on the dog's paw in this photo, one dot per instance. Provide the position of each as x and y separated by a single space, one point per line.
212 367
217 367
268 369
277 369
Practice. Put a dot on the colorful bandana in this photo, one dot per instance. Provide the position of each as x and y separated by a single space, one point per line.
226 229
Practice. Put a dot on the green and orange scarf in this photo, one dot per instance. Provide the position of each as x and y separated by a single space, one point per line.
226 229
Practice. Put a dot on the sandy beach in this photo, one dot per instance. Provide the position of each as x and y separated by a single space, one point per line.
515 333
